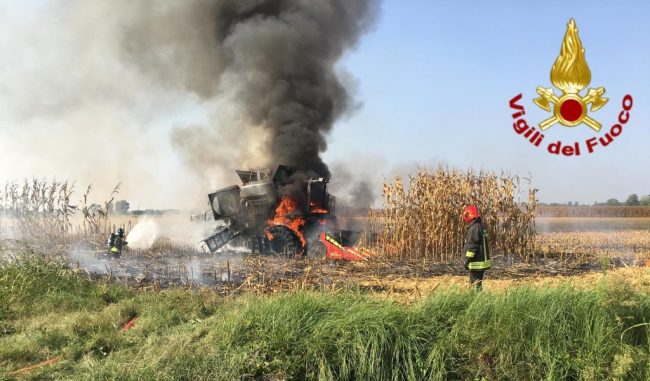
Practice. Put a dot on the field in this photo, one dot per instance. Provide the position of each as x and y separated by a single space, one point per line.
55 324
570 304
587 224
601 211
174 260
236 316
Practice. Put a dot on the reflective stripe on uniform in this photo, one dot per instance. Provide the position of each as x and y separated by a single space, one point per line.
469 254
114 249
481 265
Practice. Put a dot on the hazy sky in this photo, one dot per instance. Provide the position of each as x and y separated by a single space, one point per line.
433 79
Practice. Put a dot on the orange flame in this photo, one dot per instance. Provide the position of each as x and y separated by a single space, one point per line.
285 215
315 209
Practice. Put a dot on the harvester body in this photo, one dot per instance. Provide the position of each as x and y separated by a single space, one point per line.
272 212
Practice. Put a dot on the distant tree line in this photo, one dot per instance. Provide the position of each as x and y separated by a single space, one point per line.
119 207
632 200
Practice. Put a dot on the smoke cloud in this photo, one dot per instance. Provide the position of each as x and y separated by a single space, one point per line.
275 61
357 185
137 92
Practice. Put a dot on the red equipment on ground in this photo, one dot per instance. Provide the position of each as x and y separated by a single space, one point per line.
335 251
129 324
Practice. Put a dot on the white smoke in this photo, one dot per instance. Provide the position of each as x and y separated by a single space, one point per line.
75 104
144 233
175 228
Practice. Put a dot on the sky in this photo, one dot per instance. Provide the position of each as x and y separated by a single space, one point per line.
435 79
432 80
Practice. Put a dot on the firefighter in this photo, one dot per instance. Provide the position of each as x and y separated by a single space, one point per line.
477 253
116 242
110 242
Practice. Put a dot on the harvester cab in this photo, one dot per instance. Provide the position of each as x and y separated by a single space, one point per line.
271 212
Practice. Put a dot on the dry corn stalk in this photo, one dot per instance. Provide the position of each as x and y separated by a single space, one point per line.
41 211
422 220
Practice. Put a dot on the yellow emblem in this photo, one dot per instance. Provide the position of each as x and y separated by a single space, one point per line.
571 74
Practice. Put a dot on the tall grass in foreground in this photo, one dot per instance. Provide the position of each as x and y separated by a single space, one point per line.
523 334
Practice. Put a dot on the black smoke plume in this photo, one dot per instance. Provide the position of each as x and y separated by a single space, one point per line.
273 60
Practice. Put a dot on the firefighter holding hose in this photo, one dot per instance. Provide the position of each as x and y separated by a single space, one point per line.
116 242
477 253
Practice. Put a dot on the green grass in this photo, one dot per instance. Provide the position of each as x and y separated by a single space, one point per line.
523 334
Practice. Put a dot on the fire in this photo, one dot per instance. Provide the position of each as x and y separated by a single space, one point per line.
286 215
316 209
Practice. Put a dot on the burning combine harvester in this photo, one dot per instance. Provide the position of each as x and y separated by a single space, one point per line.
282 213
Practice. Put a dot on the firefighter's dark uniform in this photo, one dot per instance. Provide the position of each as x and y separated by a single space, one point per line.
115 243
111 241
477 253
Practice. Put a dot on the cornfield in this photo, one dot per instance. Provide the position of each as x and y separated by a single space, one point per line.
38 206
423 220
41 211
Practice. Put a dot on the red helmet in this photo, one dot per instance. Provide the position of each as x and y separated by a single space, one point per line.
470 213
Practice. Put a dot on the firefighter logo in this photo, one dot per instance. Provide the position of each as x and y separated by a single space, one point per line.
570 74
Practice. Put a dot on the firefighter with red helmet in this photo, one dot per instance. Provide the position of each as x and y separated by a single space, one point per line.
477 253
